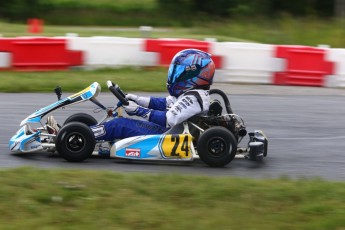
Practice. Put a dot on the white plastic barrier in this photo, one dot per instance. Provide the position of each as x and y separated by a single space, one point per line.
241 62
112 51
247 62
338 57
5 60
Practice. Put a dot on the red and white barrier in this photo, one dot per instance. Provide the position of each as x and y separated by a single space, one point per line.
305 66
235 61
40 53
5 60
338 78
247 62
167 48
111 52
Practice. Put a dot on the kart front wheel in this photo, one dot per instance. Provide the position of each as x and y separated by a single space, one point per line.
75 142
217 147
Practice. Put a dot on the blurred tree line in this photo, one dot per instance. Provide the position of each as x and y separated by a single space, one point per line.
267 8
14 10
18 10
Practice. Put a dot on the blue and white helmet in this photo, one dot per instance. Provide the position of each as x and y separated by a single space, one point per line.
190 69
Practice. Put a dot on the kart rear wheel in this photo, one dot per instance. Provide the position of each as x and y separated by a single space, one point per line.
83 118
217 147
75 142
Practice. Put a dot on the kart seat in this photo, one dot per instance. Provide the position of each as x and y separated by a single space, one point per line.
215 108
177 129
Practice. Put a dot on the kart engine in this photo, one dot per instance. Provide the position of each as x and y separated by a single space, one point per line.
232 122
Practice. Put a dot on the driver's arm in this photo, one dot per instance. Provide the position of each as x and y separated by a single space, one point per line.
156 103
185 107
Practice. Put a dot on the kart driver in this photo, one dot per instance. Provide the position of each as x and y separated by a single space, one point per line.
190 75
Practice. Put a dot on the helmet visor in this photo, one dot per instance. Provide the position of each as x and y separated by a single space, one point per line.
174 72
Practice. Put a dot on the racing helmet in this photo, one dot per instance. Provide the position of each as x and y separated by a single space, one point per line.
190 69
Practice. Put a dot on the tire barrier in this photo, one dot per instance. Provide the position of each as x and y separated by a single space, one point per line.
236 62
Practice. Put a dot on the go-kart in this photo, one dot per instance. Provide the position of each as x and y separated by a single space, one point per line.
212 136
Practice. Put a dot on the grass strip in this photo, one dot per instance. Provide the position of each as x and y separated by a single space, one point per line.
285 30
32 198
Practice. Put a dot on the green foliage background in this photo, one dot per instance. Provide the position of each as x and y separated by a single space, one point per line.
158 12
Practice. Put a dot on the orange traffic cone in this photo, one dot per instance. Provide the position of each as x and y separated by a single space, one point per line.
35 25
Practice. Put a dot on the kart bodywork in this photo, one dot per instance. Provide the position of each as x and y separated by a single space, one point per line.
28 140
213 137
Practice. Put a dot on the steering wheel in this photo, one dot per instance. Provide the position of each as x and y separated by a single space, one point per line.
118 93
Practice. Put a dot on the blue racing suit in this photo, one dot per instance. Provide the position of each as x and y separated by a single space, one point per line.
159 114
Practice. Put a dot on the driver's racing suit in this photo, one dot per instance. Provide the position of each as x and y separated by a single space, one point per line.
159 115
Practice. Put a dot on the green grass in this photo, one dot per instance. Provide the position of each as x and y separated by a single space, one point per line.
130 79
286 30
79 199
8 30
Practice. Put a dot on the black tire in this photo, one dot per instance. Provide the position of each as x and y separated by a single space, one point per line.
217 147
75 142
83 118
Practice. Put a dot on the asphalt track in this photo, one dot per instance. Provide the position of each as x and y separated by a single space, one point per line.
305 127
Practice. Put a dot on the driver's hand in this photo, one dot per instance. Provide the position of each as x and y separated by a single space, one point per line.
134 109
132 97
142 101
131 108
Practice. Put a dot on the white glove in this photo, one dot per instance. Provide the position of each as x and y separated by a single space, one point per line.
134 109
131 108
132 97
142 101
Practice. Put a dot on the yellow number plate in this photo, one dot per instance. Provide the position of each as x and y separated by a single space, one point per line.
177 146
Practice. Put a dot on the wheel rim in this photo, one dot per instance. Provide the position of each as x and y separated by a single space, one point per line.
216 147
75 142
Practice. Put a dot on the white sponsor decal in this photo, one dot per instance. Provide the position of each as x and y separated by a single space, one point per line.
98 130
132 153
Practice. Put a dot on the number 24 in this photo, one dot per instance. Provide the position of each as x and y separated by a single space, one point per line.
184 147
